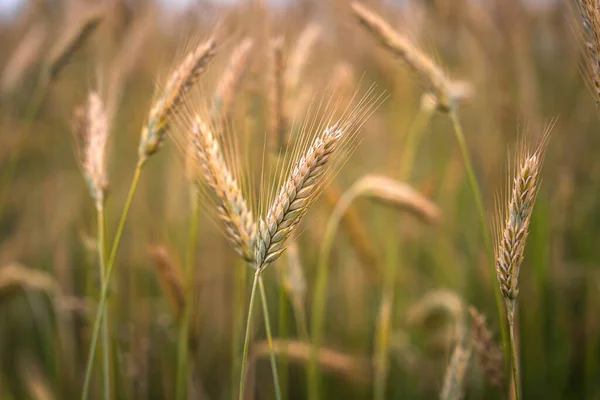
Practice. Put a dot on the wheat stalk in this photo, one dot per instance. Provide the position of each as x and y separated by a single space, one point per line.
171 97
456 372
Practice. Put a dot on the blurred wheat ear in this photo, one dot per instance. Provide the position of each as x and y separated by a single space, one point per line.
431 75
488 353
590 16
72 39
170 98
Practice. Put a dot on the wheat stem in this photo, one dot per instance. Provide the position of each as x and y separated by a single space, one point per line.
247 337
282 333
385 321
104 294
513 348
460 138
263 299
241 272
105 339
190 257
412 142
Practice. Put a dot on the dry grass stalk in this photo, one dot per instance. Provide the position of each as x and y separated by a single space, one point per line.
171 96
25 55
232 207
590 14
15 277
456 373
399 195
277 120
72 39
489 354
295 197
354 369
430 74
300 56
90 128
230 80
512 221
170 280
356 231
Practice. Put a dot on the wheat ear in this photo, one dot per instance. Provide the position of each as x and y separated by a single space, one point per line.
590 15
294 198
171 97
232 77
90 129
431 76
488 353
232 208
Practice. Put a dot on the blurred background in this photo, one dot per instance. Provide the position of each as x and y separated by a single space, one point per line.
519 64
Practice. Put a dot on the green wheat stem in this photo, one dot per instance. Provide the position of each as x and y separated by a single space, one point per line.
413 138
384 323
105 340
109 267
484 228
241 272
247 337
513 348
263 298
283 332
190 258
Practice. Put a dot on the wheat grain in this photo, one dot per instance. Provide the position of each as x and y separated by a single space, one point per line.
590 14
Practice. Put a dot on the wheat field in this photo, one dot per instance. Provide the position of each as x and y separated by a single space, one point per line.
300 200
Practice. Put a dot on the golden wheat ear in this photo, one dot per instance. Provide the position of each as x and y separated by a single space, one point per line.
212 170
171 97
513 217
431 75
489 354
317 161
590 18
90 129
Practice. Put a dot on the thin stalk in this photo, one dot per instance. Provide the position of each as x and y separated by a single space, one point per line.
514 358
263 298
104 294
105 341
385 317
247 337
190 259
413 138
320 294
484 228
283 333
241 273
